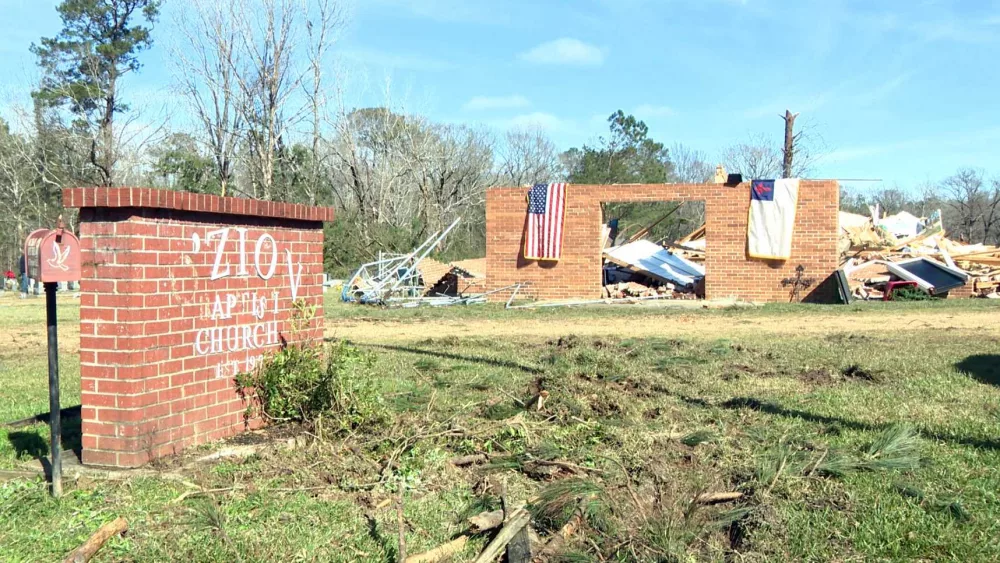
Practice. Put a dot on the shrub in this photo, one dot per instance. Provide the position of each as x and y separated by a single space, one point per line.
304 384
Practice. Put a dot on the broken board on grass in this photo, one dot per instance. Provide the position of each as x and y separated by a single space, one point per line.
656 262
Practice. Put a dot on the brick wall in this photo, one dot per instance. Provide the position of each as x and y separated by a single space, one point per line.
169 314
729 272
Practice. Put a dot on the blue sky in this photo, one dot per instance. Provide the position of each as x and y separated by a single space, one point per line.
905 91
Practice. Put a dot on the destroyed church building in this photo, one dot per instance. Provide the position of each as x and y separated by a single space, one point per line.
714 262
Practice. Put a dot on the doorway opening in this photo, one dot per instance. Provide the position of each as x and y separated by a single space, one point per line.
653 250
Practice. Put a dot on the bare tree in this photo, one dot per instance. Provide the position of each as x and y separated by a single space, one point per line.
690 166
975 203
760 156
369 173
268 72
528 156
321 28
789 149
757 157
207 61
452 167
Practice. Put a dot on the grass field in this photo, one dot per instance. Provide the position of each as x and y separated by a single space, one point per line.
647 409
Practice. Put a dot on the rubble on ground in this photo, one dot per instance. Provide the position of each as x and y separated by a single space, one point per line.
642 268
410 279
878 251
414 279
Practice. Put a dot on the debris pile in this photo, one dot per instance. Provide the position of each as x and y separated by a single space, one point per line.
643 268
879 254
412 279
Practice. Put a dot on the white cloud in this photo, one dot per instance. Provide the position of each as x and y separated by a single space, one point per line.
485 103
565 51
645 111
396 60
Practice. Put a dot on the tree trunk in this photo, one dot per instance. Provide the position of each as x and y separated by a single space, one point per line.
789 150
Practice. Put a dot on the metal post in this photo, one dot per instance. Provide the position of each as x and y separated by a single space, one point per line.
55 417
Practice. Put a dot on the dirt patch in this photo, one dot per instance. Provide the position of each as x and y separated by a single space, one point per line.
857 373
846 326
816 377
565 342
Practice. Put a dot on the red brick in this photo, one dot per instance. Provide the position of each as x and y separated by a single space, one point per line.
146 296
730 272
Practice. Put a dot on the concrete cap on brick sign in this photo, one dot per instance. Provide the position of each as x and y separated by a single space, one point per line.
151 198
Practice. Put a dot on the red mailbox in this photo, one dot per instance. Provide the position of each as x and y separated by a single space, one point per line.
52 256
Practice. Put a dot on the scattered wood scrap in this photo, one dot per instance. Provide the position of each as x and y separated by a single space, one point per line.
94 543
715 498
518 519
473 459
557 541
865 243
440 552
485 521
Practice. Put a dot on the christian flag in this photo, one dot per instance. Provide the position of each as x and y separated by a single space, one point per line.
543 233
772 218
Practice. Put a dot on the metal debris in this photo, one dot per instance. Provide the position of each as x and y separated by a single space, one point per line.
392 276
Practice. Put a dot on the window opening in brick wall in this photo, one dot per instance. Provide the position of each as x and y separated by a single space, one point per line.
653 249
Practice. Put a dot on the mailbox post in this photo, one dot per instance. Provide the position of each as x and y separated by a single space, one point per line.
53 256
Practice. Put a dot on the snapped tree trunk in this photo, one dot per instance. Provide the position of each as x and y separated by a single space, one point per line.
789 150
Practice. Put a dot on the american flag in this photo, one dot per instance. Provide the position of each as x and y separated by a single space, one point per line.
546 207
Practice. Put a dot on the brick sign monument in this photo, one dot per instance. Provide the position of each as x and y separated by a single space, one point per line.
180 292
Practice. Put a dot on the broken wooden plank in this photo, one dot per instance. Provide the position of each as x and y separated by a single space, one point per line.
715 498
94 543
486 521
440 552
695 234
518 520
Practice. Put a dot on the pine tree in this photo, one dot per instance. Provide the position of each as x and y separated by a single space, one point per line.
83 65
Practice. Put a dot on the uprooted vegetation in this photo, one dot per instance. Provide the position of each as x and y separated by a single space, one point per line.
641 449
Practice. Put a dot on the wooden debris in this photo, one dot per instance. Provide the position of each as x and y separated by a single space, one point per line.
486 521
715 498
473 459
865 243
440 552
518 519
401 522
556 543
95 542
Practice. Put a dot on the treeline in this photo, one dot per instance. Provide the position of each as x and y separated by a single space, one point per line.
257 112
969 201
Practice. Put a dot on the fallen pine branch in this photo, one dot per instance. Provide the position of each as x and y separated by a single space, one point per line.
631 491
571 467
189 494
440 552
94 543
518 519
715 498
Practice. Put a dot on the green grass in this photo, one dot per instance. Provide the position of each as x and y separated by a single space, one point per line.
24 374
822 453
